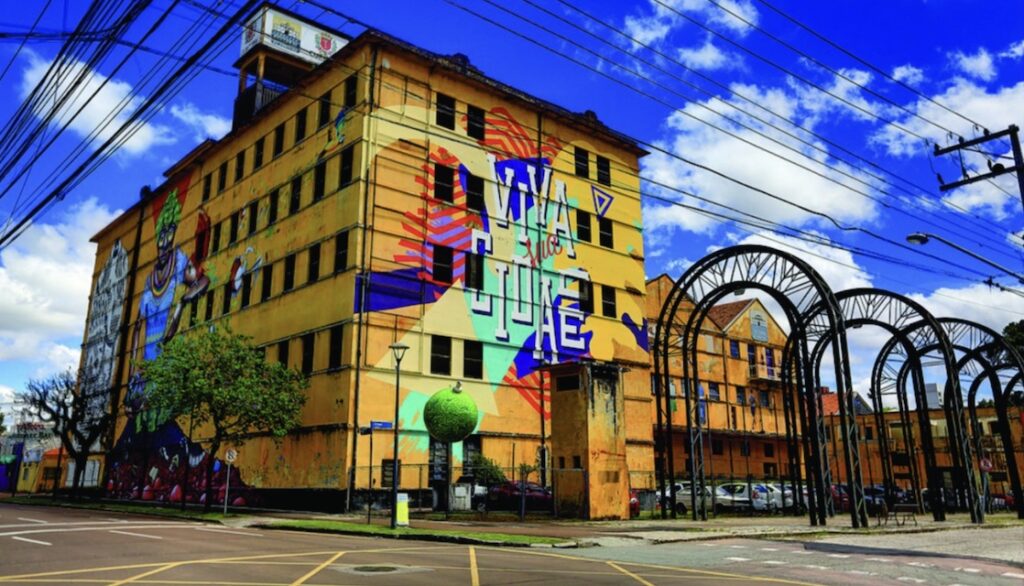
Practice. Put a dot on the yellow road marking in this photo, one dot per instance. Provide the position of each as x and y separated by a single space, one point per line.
317 569
630 574
474 573
162 568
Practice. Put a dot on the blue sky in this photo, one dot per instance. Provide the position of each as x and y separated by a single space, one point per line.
966 55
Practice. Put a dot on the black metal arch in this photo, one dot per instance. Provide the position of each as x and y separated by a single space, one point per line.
891 312
794 285
990 359
891 370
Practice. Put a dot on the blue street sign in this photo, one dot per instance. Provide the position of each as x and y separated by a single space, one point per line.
380 425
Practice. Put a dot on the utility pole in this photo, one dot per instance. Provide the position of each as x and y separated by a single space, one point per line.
995 169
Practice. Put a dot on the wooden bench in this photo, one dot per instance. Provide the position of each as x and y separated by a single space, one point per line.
899 513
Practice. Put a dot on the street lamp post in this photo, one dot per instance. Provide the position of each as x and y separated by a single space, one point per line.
398 350
922 238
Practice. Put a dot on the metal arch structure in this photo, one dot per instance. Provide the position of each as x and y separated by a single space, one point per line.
893 313
797 288
1000 395
891 371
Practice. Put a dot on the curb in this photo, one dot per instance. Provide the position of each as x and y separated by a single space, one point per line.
424 537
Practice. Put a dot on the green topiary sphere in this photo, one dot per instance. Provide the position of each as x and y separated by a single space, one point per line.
450 416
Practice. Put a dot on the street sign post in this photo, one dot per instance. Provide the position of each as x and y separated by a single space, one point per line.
385 425
230 456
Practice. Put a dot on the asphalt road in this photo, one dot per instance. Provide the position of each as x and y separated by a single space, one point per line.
41 545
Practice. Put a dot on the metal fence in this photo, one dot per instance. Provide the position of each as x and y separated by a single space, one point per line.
725 495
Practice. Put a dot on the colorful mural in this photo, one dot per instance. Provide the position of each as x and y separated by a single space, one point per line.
152 458
103 332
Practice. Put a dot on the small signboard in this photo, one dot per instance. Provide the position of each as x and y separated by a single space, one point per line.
985 464
381 425
387 473
230 456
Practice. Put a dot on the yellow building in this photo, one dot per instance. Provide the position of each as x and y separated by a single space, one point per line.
371 192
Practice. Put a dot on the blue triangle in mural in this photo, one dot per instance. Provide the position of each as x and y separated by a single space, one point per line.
602 201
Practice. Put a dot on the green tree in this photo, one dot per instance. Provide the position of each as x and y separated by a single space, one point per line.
220 379
486 471
3 428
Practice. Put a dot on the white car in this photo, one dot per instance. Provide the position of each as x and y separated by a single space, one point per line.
780 498
684 497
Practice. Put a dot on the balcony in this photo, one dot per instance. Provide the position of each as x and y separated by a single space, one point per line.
253 99
764 372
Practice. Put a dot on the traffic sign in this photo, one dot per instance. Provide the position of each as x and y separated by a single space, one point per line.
381 425
231 455
985 465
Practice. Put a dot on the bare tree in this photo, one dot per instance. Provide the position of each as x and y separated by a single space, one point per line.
75 417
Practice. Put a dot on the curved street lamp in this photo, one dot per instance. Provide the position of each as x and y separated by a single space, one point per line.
398 351
922 238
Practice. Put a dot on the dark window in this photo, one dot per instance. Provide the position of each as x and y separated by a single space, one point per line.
351 86
296 199
254 209
586 297
246 289
193 311
289 272
300 125
752 353
604 170
216 237
208 312
207 186
744 448
324 112
257 153
282 352
314 262
226 300
268 282
341 252
769 450
474 271
442 264
472 359
582 226
741 395
474 192
233 228
608 301
446 111
279 139
319 180
713 392
765 400
346 175
239 166
308 343
869 433
582 163
604 226
734 348
222 177
444 183
334 360
475 127
272 213
717 447
440 355
577 462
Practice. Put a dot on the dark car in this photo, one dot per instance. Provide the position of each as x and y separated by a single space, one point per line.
508 495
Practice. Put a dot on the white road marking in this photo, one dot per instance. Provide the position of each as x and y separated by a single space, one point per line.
920 565
27 540
250 534
861 572
814 567
804 552
53 529
883 560
909 579
968 570
769 549
841 556
773 562
1013 575
738 546
32 520
709 544
130 534
738 559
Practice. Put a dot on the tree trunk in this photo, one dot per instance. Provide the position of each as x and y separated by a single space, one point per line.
214 448
81 460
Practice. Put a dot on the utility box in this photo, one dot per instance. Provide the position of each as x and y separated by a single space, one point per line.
588 441
461 497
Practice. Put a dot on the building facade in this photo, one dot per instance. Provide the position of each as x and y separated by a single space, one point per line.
385 194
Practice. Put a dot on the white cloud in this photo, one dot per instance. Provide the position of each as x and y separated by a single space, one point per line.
1014 51
838 267
655 22
980 65
708 57
96 109
204 125
908 74
978 303
46 275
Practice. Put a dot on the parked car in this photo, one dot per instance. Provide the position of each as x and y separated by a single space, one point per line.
782 498
733 496
508 495
684 497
